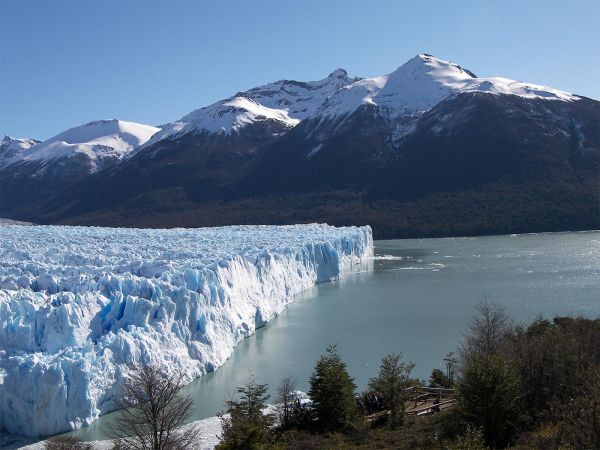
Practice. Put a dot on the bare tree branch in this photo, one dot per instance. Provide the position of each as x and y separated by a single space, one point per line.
285 399
152 413
486 332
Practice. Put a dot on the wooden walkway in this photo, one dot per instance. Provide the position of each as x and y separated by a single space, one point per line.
424 401
428 400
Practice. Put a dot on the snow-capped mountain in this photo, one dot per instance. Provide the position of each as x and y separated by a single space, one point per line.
11 149
400 96
40 171
419 129
404 95
422 83
225 117
277 153
299 99
284 101
101 142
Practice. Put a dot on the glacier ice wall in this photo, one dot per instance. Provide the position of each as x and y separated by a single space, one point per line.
80 306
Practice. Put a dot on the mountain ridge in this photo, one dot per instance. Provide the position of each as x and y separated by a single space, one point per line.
427 130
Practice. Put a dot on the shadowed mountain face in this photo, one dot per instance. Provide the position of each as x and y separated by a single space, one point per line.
477 161
475 139
466 141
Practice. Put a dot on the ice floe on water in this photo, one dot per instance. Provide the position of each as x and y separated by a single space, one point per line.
80 306
387 258
431 266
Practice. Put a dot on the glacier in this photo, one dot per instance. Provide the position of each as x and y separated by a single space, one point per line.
80 306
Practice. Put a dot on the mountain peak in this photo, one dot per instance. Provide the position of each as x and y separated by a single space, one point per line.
420 84
338 73
436 63
114 137
101 122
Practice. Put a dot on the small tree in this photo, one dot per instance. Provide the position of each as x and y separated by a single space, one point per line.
490 386
450 368
486 332
245 427
153 412
285 399
392 382
332 391
438 379
66 443
490 391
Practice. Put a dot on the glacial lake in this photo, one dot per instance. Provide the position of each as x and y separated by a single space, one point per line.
415 297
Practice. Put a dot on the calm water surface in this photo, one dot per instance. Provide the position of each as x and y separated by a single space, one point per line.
414 297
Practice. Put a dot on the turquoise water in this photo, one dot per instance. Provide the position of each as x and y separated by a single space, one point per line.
414 297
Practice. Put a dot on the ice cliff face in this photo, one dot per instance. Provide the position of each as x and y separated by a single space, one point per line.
80 306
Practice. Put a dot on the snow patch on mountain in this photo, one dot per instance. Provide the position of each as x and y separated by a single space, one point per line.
225 117
300 100
98 139
314 151
232 115
80 306
11 149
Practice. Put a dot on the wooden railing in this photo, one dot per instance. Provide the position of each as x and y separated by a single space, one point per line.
431 390
423 395
429 409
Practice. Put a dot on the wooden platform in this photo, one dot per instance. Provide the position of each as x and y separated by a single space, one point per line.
428 400
424 401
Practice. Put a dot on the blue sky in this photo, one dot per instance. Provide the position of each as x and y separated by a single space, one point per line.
65 63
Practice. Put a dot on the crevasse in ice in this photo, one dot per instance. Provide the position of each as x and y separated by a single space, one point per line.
80 306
